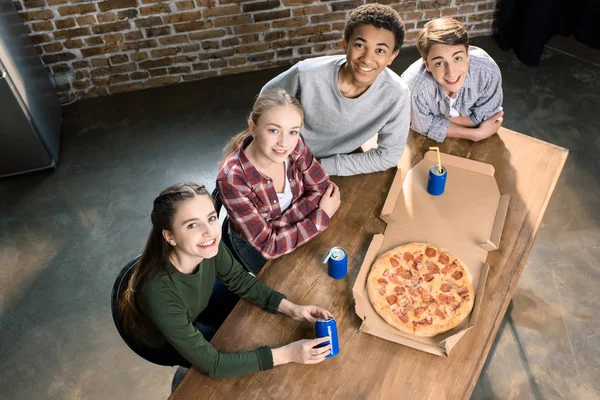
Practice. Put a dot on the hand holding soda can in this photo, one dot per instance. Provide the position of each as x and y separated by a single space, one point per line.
328 328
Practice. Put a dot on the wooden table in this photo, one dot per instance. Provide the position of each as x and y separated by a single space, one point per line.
369 367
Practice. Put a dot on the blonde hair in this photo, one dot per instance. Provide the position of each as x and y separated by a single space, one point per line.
446 31
273 98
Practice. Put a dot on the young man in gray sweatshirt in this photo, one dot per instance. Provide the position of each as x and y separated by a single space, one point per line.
350 98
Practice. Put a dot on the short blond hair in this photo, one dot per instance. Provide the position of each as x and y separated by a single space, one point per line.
446 31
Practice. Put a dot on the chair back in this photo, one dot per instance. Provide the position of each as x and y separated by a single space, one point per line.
153 355
225 225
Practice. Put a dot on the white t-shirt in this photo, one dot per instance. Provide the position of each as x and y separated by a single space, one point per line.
285 198
453 112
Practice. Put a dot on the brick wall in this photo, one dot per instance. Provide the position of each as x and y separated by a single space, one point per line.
100 47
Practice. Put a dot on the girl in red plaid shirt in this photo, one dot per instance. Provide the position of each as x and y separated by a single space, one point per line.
276 193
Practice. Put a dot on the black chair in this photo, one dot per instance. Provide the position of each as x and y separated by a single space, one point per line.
167 356
225 226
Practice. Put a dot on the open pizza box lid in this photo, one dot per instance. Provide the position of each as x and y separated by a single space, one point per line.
467 220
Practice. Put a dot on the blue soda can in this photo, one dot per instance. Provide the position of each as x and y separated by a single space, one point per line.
327 327
437 181
337 263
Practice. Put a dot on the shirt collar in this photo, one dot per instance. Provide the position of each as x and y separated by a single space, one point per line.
253 175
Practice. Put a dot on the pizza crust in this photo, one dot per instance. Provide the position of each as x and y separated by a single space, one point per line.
419 292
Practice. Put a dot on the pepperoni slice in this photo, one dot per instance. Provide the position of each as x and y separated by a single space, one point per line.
455 306
430 252
394 262
462 290
446 298
444 259
406 274
386 272
419 256
408 256
382 281
391 299
445 287
440 313
428 277
457 275
447 268
382 290
418 311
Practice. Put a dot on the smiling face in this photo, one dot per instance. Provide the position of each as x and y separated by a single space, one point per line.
276 134
196 230
449 66
368 52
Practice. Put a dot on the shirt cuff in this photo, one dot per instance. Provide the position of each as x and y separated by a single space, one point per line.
438 130
265 358
273 302
329 165
474 120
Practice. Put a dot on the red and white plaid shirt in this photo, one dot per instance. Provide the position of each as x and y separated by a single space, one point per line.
253 207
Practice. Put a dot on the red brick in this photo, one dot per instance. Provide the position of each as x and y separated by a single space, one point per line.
297 2
116 4
173 40
247 39
285 53
34 3
53 47
182 17
322 9
73 43
106 17
317 19
139 56
274 35
64 23
466 1
184 59
71 33
81 64
42 26
435 4
238 70
127 14
112 27
190 48
135 35
449 11
56 2
161 62
165 80
208 34
127 87
184 5
234 41
338 26
56 58
309 30
324 37
466 9
119 59
86 20
82 84
216 54
148 22
261 57
260 6
113 38
118 78
304 50
82 74
235 20
345 5
290 23
121 69
234 62
94 41
155 9
36 15
169 51
218 64
482 16
251 28
412 16
210 44
78 9
252 48
268 16
152 1
200 66
200 75
158 31
142 44
139 75
94 51
223 10
158 72
192 26
486 6
182 69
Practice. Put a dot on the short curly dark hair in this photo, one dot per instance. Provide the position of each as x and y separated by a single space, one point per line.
378 15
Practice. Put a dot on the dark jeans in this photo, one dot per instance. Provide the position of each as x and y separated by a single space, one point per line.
251 258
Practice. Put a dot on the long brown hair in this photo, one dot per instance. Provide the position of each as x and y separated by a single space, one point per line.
155 256
272 98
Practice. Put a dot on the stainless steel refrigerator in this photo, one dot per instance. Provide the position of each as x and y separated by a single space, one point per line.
30 113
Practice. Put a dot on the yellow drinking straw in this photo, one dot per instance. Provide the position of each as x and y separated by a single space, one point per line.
439 158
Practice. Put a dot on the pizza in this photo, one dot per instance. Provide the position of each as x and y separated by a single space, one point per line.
421 289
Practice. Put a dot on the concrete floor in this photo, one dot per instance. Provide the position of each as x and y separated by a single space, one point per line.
65 234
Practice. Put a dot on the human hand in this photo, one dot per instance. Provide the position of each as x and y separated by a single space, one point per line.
309 313
488 127
330 202
302 352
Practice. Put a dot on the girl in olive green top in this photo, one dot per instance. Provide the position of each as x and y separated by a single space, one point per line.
173 281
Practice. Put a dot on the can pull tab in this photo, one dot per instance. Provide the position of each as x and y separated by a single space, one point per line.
328 256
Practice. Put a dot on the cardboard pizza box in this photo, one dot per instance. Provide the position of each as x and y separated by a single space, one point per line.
467 220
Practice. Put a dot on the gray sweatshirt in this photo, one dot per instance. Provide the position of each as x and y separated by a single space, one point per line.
335 125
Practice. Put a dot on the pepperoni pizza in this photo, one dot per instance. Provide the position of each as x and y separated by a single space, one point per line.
421 289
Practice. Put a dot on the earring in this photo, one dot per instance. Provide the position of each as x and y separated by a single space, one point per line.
172 243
